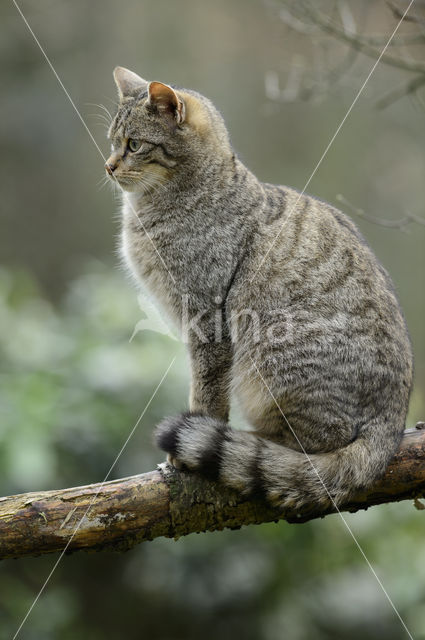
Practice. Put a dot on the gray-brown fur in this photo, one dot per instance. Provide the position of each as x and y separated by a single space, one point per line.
328 358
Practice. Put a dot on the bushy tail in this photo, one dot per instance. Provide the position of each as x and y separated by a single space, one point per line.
284 477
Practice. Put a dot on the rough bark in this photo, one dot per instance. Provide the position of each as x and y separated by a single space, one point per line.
121 513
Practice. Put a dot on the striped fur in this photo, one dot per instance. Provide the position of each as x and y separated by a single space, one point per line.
311 341
262 468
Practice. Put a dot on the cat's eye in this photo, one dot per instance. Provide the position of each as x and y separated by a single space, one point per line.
134 144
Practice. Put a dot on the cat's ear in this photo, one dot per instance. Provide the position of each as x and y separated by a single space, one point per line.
129 84
166 101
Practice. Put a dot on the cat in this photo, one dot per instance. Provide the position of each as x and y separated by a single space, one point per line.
282 303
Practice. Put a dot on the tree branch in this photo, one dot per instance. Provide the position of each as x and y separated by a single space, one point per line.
401 224
119 514
337 21
399 92
361 43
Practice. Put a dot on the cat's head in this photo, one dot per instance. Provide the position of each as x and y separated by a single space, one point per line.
160 133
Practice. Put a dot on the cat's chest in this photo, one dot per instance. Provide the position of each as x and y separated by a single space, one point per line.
177 255
140 246
149 253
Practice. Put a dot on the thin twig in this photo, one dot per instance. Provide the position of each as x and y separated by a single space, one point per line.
401 224
403 90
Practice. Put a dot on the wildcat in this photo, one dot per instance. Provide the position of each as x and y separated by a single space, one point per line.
289 309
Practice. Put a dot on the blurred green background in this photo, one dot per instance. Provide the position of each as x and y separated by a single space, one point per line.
72 383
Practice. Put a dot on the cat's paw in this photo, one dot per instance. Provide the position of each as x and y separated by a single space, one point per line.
174 462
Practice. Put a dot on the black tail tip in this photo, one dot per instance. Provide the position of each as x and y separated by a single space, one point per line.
166 433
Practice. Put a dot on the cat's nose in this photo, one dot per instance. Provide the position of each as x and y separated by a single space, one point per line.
112 163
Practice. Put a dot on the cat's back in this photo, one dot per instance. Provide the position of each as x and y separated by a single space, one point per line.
310 259
316 249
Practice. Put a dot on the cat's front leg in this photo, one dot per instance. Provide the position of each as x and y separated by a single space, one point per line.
210 378
209 395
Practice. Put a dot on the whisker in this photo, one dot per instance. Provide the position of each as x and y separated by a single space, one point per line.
101 106
100 184
104 125
101 116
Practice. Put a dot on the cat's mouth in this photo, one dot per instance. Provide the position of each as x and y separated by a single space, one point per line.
125 181
147 181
